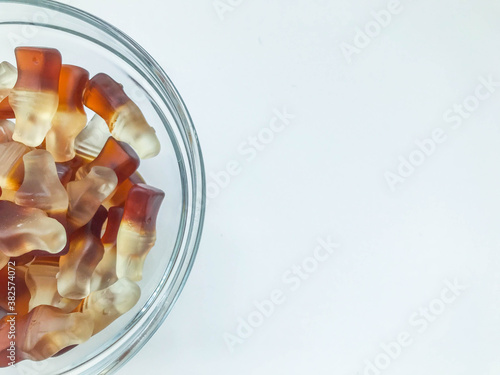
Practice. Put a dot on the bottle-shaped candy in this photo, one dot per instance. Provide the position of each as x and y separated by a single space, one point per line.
25 229
137 233
70 118
42 284
86 195
118 156
105 272
107 305
34 98
44 332
91 140
8 78
41 187
125 120
85 253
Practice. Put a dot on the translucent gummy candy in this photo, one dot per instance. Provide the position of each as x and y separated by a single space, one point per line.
86 195
137 233
24 229
45 331
6 131
91 140
107 305
124 118
8 78
41 187
85 253
11 165
105 272
42 284
118 156
70 118
34 98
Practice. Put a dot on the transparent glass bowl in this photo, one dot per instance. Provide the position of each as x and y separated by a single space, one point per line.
91 43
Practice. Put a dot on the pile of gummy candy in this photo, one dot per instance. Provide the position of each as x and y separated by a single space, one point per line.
76 218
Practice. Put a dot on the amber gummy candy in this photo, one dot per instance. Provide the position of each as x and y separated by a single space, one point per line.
118 156
125 120
137 233
70 118
34 98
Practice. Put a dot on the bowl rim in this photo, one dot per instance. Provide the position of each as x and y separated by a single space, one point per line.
195 204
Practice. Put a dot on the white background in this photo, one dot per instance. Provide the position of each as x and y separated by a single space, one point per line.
324 175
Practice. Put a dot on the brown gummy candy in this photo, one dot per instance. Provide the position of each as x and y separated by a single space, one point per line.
34 98
137 233
70 118
118 156
126 122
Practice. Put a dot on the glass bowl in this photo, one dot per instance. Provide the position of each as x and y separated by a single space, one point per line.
91 43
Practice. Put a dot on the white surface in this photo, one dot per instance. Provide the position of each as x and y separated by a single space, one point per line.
324 176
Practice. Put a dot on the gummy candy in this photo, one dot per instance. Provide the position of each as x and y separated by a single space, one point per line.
137 233
34 98
24 229
45 331
70 118
107 305
124 118
42 284
118 156
41 187
105 272
91 140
